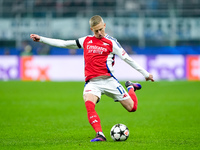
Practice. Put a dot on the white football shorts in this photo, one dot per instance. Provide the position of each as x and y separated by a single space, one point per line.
109 86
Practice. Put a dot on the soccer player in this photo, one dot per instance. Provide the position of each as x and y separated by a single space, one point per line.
99 53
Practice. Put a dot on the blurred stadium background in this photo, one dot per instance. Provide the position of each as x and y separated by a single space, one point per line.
163 33
163 36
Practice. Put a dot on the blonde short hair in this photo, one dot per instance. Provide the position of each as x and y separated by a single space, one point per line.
95 20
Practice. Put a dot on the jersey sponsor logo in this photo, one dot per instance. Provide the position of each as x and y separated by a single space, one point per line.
96 49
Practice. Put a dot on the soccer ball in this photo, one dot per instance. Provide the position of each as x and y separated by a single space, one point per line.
119 132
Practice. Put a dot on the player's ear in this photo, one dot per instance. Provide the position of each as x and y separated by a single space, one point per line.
105 25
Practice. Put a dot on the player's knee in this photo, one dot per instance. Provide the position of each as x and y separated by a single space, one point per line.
133 109
129 105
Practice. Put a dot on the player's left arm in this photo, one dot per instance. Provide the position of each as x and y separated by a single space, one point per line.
118 50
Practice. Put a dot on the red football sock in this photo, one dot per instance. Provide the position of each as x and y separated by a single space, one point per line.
133 96
93 117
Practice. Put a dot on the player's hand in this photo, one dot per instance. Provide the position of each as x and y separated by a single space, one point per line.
150 78
35 37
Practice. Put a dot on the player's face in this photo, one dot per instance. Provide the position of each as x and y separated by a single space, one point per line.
99 30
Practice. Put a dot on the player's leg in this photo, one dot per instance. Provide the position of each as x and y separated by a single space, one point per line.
116 91
131 103
93 118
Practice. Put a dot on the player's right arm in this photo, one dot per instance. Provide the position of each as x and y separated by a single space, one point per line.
71 44
117 49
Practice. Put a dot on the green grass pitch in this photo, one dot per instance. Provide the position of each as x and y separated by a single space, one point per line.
52 115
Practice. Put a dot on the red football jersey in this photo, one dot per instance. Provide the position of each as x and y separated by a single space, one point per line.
98 56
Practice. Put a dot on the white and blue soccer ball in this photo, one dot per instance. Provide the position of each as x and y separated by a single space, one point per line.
119 132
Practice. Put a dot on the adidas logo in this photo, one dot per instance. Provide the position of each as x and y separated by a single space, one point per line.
95 121
90 41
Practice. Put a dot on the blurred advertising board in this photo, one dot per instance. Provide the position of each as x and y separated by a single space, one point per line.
193 67
9 68
71 68
167 67
52 68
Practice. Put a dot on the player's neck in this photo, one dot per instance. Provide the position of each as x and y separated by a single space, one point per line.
102 37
